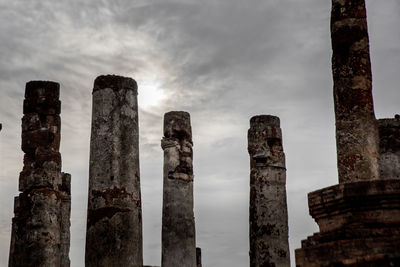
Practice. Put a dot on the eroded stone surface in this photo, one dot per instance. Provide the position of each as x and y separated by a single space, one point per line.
114 223
389 148
268 207
40 232
356 127
178 226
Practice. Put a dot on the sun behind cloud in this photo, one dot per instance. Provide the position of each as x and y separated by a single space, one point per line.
150 93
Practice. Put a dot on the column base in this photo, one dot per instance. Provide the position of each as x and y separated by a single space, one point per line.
359 225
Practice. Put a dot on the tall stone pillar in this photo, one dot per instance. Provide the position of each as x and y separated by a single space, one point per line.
37 228
389 148
358 219
356 126
178 227
114 222
269 244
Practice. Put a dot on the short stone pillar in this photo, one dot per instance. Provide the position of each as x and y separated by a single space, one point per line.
356 126
178 226
114 222
389 148
37 227
65 219
269 244
198 257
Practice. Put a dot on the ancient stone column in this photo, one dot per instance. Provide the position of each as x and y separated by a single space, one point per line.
178 227
37 227
198 257
65 219
269 244
114 222
356 127
389 148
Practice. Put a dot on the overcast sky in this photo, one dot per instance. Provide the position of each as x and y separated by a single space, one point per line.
221 60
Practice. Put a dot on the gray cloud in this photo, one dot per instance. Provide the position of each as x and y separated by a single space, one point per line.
223 61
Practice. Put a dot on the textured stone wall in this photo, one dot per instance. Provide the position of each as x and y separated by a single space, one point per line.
356 127
178 226
38 231
268 208
114 222
389 148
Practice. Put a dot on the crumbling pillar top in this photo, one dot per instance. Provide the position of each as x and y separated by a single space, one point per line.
267 120
115 83
265 141
36 89
177 125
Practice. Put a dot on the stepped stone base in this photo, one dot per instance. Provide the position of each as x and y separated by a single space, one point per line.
359 225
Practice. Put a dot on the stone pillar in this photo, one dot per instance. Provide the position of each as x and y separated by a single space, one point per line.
198 257
178 227
65 218
356 127
389 148
358 219
37 225
269 244
114 222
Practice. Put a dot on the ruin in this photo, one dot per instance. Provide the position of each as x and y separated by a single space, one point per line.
114 222
178 226
269 244
40 227
358 219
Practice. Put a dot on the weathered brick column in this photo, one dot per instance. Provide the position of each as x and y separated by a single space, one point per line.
269 244
114 223
37 237
178 227
356 126
358 219
389 148
65 219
